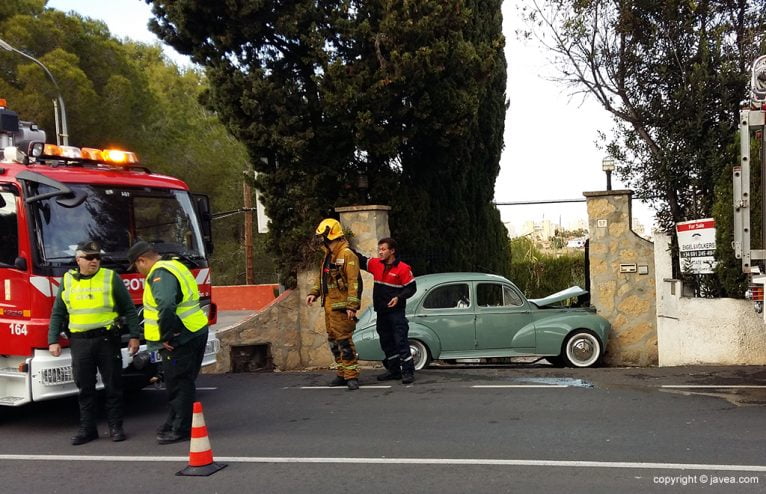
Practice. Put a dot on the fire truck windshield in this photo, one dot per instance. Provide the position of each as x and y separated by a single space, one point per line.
116 217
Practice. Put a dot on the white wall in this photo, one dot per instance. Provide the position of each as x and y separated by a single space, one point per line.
703 331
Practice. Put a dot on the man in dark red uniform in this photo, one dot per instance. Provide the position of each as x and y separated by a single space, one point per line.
394 284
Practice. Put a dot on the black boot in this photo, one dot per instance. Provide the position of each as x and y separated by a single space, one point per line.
393 372
84 435
353 384
116 433
408 371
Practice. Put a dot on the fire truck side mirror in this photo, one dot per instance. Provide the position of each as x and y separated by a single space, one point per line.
205 219
20 263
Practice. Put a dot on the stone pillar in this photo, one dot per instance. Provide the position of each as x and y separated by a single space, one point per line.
622 279
368 225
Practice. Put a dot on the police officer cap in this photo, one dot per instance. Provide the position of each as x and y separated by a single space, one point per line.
89 247
137 250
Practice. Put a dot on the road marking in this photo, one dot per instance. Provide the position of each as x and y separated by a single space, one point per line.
712 386
520 386
339 387
198 388
407 461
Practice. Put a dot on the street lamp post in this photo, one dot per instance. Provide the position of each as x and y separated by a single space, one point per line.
62 135
607 164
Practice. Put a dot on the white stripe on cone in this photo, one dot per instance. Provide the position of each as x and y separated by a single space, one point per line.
199 444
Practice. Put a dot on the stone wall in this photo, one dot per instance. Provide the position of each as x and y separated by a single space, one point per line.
295 332
698 331
622 279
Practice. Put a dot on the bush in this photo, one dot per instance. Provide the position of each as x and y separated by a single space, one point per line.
539 274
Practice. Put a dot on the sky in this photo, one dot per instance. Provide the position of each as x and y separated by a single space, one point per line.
550 136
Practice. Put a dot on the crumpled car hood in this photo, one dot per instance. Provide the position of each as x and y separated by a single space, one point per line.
572 291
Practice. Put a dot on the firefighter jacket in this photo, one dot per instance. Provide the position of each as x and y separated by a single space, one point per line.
339 283
179 311
391 280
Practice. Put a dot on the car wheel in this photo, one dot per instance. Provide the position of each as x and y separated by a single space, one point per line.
582 349
420 354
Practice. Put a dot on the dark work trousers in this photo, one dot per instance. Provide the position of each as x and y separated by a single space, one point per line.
393 328
100 354
181 368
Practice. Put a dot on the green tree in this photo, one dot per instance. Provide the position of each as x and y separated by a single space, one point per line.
409 95
126 95
672 74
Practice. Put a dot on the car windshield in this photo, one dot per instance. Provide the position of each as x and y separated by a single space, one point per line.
116 217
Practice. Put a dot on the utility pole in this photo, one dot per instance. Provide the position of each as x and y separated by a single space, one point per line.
247 189
59 110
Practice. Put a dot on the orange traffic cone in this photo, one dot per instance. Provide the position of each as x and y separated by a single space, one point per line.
201 462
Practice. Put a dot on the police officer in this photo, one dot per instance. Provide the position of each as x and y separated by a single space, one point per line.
339 285
175 325
93 298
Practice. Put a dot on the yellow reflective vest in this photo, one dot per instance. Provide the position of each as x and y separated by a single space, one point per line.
188 311
89 301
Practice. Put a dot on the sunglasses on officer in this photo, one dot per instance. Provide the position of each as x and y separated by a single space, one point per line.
91 257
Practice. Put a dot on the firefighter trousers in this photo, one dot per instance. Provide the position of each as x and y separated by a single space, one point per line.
339 330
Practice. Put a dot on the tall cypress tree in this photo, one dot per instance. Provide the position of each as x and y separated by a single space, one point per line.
410 94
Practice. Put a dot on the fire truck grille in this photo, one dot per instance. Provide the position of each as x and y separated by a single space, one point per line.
59 375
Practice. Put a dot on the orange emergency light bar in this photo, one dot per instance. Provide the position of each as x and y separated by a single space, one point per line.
108 156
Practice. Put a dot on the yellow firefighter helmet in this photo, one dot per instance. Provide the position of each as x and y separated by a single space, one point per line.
330 229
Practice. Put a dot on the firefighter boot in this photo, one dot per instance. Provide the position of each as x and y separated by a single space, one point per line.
353 384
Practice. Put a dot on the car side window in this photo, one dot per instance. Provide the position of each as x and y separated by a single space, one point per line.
448 297
496 295
511 298
489 295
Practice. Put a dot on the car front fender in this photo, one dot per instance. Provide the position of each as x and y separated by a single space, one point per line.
553 328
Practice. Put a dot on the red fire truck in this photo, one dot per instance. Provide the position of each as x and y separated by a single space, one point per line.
53 197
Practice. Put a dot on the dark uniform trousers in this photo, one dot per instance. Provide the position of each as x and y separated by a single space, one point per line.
393 331
100 353
181 368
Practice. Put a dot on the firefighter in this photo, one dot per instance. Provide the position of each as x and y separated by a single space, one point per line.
176 326
339 285
394 284
93 298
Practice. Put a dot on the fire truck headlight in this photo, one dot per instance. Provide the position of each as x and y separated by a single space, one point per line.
35 149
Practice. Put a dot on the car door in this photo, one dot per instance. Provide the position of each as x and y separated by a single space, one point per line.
502 318
447 310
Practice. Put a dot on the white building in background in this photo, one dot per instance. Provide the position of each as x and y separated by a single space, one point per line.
511 229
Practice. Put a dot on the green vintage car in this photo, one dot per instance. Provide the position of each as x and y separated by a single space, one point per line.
457 316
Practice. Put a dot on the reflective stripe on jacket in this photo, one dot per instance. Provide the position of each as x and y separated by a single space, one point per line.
89 301
188 310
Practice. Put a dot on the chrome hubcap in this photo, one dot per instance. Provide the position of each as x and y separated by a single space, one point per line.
582 349
416 356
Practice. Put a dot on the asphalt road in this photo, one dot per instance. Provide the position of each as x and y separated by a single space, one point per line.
456 430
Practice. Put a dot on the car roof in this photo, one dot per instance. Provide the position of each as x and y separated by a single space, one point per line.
429 280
